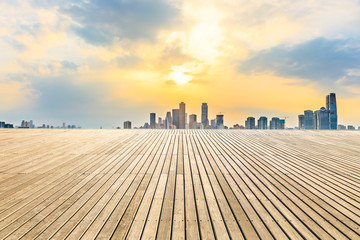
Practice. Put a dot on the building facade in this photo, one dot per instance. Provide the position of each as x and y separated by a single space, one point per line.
127 125
204 115
322 119
220 121
332 109
308 119
175 118
192 121
182 116
250 123
275 123
152 120
301 121
262 123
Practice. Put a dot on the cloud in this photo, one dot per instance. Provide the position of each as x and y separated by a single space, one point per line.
319 60
102 22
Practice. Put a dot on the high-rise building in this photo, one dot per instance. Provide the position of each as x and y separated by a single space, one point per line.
316 120
275 123
204 115
301 121
250 123
168 117
192 121
322 119
175 118
220 121
213 123
262 123
152 120
168 121
281 123
331 107
2 124
182 116
127 125
308 119
160 122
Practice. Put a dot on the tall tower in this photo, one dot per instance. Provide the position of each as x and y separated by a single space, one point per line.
331 107
168 117
152 120
175 118
204 115
308 119
192 122
262 123
220 121
322 119
182 117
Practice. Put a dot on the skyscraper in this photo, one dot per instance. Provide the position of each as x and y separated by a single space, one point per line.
322 117
331 107
250 123
192 121
262 123
127 125
316 120
168 116
301 121
182 117
204 115
282 124
152 120
219 121
213 123
175 118
275 123
308 119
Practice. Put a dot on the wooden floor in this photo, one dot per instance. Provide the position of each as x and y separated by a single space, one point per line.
179 184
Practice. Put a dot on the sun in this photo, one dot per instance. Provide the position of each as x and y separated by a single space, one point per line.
180 77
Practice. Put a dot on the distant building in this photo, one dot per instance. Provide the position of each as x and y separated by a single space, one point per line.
301 121
192 121
127 125
262 123
152 120
220 121
204 115
308 119
282 124
8 125
213 123
168 120
2 124
182 115
146 126
316 120
275 123
250 123
350 127
322 119
341 127
332 109
160 123
175 118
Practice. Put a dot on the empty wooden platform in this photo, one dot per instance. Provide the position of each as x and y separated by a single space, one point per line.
179 184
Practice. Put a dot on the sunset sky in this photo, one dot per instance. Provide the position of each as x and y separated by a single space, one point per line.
98 63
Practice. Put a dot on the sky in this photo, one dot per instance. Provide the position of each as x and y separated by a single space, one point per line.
99 63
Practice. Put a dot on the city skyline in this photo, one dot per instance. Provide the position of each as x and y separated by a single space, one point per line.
61 62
